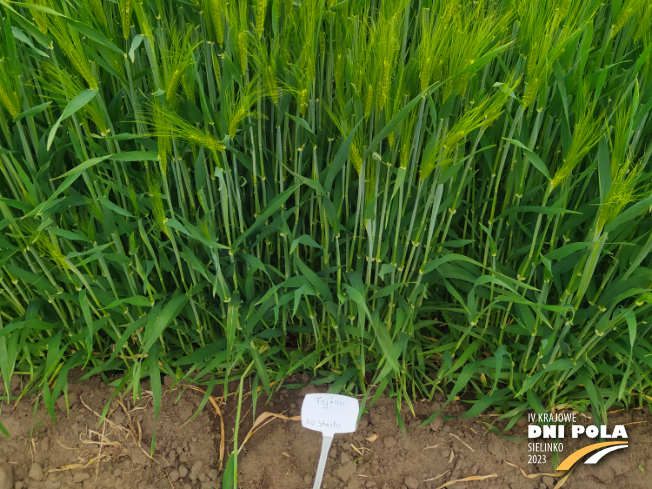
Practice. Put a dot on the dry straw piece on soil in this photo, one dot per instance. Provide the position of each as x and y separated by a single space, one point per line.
102 440
466 479
564 475
262 420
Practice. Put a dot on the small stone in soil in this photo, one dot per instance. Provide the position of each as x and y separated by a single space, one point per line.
377 416
36 472
196 468
411 482
6 476
345 458
354 484
172 456
183 471
61 403
73 399
436 424
212 474
174 476
309 389
80 476
346 471
389 441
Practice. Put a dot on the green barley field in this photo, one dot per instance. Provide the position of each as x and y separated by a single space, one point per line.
413 195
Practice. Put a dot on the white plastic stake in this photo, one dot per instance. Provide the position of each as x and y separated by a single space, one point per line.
326 441
330 414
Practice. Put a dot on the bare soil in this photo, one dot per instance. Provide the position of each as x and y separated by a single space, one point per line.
82 453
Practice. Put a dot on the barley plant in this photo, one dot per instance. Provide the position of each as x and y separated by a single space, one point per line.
409 195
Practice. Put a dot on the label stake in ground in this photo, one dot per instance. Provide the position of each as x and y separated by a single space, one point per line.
330 414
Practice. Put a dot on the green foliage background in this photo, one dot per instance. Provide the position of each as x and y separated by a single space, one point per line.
420 195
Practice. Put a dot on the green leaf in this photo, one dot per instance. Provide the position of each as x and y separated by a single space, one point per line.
535 402
561 85
380 331
397 348
483 60
642 59
71 235
391 126
306 240
262 371
228 479
434 264
136 156
273 206
40 8
154 378
339 160
462 381
18 34
385 291
32 111
486 401
138 39
604 168
500 352
158 322
80 100
137 300
71 177
630 214
630 317
592 392
303 123
531 156
86 311
84 166
91 33
232 324
548 210
314 279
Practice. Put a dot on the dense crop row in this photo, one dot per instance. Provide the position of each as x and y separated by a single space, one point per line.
414 194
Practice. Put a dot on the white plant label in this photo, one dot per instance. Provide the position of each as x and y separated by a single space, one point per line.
330 414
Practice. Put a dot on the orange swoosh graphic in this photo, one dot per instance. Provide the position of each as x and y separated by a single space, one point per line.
571 459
